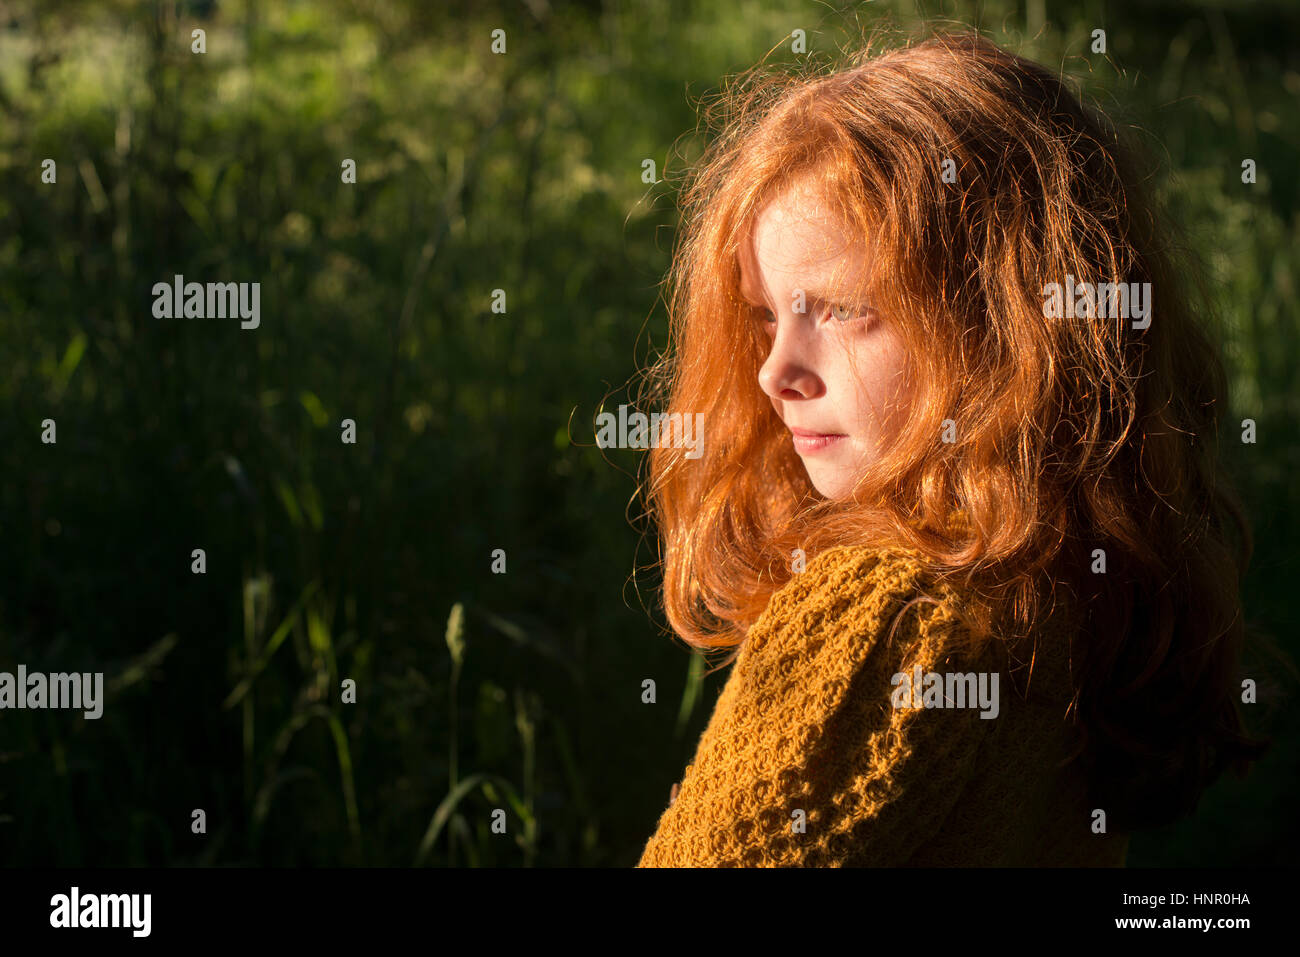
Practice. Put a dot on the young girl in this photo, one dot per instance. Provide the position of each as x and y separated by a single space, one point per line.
958 515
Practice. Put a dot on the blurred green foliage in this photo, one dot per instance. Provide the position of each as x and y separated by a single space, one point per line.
325 562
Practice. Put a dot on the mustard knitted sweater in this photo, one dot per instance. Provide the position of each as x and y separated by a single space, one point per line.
825 750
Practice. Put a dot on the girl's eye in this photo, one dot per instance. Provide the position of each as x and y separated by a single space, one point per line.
843 312
769 317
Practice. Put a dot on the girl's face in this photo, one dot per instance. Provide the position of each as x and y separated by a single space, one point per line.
836 371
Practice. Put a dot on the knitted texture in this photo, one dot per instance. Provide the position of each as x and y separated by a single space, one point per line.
806 760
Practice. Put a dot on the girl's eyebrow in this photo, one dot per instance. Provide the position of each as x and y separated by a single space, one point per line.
837 294
814 293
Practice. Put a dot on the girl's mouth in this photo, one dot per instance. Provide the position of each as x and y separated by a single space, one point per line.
806 442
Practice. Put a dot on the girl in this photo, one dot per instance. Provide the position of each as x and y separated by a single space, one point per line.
959 517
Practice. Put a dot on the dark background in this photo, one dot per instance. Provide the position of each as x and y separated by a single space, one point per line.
326 561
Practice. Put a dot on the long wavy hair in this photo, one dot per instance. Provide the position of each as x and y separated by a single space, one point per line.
1071 434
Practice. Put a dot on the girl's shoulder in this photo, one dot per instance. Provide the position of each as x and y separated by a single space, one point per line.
869 613
851 586
853 605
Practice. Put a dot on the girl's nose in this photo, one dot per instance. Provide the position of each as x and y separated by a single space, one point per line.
787 373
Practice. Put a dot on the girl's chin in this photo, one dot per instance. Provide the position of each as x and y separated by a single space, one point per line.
831 479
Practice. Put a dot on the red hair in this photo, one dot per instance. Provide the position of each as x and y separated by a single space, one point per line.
1071 434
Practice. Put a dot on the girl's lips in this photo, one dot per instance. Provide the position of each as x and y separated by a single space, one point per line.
806 442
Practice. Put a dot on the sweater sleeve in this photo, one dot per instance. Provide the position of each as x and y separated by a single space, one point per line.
815 754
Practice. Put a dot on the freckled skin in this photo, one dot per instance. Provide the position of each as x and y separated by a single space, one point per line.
839 367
